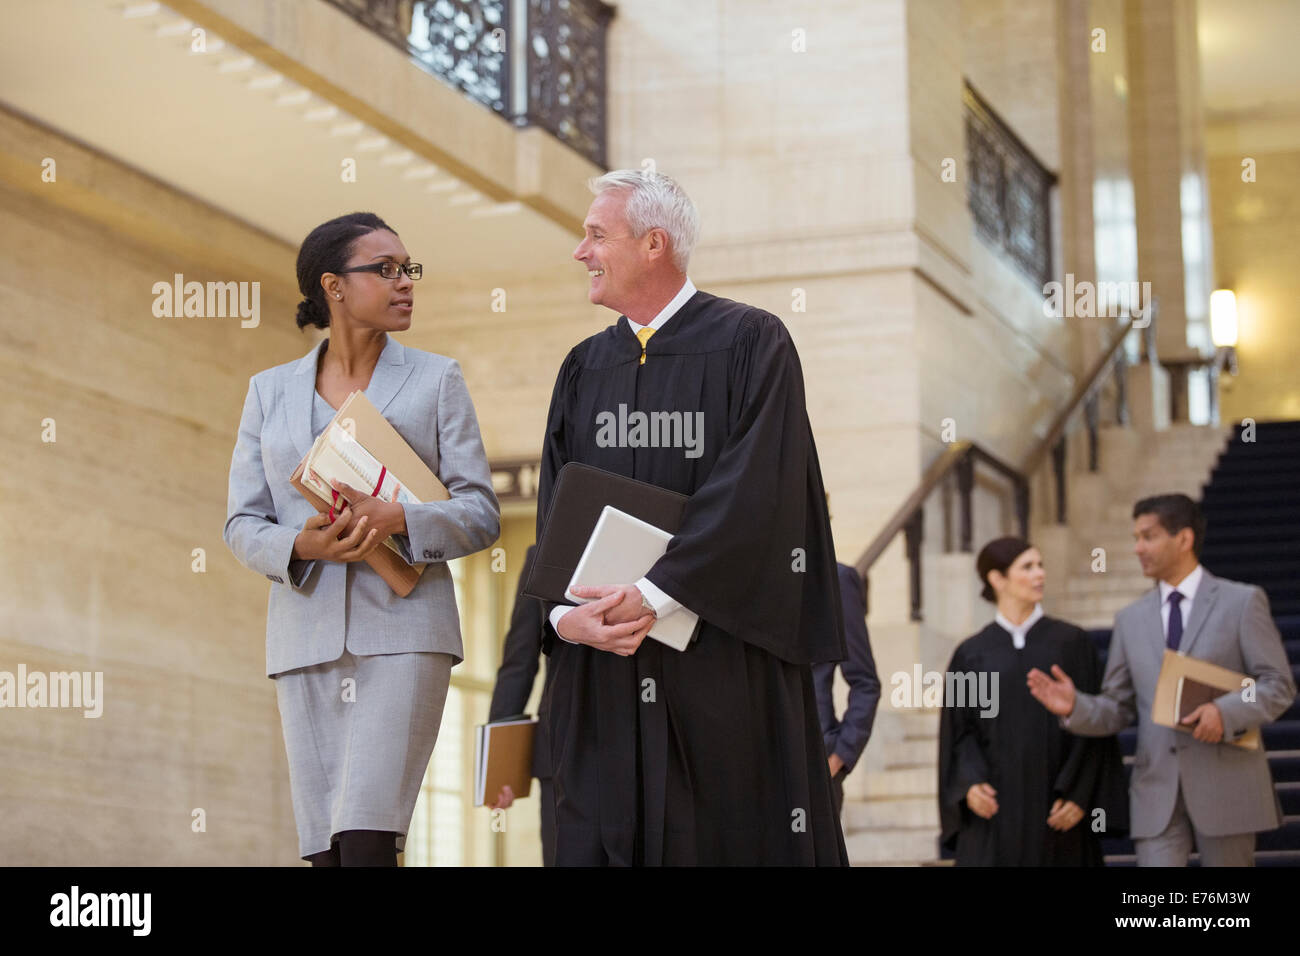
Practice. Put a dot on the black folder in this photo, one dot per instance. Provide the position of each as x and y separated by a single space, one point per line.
581 493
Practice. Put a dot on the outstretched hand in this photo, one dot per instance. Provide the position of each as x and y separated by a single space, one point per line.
1056 693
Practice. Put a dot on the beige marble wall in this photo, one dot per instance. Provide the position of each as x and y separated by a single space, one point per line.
509 332
1076 224
992 362
789 126
821 170
96 572
1114 213
1256 234
1167 160
1012 53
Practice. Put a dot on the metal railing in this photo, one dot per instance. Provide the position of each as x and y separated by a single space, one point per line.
534 62
1007 189
961 458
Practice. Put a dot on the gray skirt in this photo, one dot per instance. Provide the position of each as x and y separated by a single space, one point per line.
359 732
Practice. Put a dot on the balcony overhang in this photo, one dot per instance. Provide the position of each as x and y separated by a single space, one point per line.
264 120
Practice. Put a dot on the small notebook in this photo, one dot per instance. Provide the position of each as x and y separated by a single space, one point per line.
503 755
1192 694
621 550
1187 682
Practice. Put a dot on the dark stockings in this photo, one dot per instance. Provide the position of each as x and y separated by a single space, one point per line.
359 848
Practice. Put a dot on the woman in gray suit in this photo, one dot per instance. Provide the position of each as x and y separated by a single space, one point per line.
361 675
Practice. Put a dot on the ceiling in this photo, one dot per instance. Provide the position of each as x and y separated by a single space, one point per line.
119 76
1250 72
222 127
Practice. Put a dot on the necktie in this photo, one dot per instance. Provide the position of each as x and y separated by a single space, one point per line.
1175 620
643 336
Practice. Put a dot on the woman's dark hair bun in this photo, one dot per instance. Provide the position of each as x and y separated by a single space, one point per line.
326 249
309 314
998 555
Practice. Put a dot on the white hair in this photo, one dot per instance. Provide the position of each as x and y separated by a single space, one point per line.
655 201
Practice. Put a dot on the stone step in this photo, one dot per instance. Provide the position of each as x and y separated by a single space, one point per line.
920 781
1120 556
916 723
1084 585
896 845
1090 620
1089 617
908 752
1101 600
1115 539
897 812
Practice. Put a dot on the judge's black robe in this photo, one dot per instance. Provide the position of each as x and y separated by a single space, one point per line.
713 755
1027 757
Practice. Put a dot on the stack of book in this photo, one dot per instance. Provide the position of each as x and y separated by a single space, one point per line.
360 448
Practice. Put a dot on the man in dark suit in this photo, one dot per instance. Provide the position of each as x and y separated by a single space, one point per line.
846 738
519 662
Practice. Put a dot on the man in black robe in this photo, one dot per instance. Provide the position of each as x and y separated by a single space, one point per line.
712 755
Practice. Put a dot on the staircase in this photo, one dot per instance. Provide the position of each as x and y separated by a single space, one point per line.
898 822
1177 460
1252 511
1252 505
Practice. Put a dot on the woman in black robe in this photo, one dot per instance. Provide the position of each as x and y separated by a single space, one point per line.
1015 789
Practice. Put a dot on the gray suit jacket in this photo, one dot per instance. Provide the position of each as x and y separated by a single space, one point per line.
316 606
1226 789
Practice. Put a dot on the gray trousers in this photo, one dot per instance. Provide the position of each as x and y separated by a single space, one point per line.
1174 844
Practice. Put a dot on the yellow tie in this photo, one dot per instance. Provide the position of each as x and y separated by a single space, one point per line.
644 336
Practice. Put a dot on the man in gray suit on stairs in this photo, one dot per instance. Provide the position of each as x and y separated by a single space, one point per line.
1186 786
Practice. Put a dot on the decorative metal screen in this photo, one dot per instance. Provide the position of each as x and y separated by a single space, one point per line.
468 44
1008 191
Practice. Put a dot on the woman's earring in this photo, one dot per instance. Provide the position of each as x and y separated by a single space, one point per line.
337 296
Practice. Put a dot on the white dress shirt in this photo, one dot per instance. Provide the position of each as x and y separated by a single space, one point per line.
1187 587
661 602
1018 631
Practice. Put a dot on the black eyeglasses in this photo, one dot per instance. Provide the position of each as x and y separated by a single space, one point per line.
390 270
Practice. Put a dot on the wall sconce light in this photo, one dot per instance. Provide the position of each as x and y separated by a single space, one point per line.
1223 328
